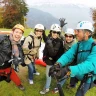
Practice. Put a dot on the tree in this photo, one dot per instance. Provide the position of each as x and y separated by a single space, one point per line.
94 19
14 12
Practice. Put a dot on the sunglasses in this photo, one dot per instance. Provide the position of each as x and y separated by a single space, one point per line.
56 32
39 30
68 36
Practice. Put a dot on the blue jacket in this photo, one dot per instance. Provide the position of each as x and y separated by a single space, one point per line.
86 61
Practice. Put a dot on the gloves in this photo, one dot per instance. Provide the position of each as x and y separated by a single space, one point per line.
55 68
62 73
16 62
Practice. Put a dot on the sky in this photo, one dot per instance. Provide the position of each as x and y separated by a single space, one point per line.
89 3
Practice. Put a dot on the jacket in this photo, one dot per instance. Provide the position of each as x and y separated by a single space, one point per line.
30 54
86 60
53 50
6 52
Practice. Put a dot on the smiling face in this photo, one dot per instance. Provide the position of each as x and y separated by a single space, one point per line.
17 34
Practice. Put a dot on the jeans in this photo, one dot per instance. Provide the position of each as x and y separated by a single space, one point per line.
48 79
81 92
31 70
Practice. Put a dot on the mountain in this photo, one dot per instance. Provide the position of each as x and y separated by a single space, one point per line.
36 16
50 13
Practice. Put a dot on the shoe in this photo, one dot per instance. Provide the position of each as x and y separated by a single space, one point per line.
30 81
37 73
44 91
55 90
21 87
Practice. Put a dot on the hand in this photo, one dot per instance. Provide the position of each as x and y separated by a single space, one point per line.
16 61
63 72
56 67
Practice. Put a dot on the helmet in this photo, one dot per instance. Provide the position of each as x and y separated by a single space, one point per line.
39 26
85 25
55 27
19 26
69 31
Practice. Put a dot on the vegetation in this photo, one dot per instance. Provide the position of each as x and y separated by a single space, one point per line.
12 12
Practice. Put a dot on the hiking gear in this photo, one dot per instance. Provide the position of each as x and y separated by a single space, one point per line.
39 26
85 25
44 91
21 87
69 31
19 26
55 27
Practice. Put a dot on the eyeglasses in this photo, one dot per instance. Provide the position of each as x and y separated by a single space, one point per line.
70 36
39 30
56 32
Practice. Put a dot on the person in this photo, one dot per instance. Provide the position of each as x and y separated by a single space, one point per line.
10 51
31 47
85 68
69 40
52 51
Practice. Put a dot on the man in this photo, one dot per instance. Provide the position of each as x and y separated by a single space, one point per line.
85 53
10 51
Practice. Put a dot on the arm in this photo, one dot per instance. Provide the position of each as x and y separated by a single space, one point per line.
68 56
87 66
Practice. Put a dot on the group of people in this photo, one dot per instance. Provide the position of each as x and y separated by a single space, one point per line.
73 56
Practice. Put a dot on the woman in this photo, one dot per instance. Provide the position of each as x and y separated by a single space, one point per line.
52 51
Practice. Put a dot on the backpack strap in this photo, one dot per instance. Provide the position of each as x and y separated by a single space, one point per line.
32 40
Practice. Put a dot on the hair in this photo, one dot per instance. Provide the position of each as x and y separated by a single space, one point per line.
89 32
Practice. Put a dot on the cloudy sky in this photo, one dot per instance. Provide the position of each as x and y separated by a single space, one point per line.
90 3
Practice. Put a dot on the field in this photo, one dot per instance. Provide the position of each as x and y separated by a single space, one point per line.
10 89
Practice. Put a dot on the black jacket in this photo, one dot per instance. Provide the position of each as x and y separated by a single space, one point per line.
53 50
6 51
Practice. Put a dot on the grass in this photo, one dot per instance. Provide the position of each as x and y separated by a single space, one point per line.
10 89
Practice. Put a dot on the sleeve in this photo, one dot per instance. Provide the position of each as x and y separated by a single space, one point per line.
85 67
68 56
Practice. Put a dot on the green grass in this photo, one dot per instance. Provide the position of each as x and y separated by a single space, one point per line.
10 89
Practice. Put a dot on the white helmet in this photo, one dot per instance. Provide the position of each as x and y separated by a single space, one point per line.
85 25
69 31
55 27
39 26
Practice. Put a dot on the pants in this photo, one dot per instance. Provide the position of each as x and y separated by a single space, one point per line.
13 75
31 70
48 79
81 92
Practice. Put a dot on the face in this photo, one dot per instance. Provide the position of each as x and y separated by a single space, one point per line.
55 34
82 35
69 38
38 32
17 34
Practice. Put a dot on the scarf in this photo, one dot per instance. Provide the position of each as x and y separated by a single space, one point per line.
15 50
